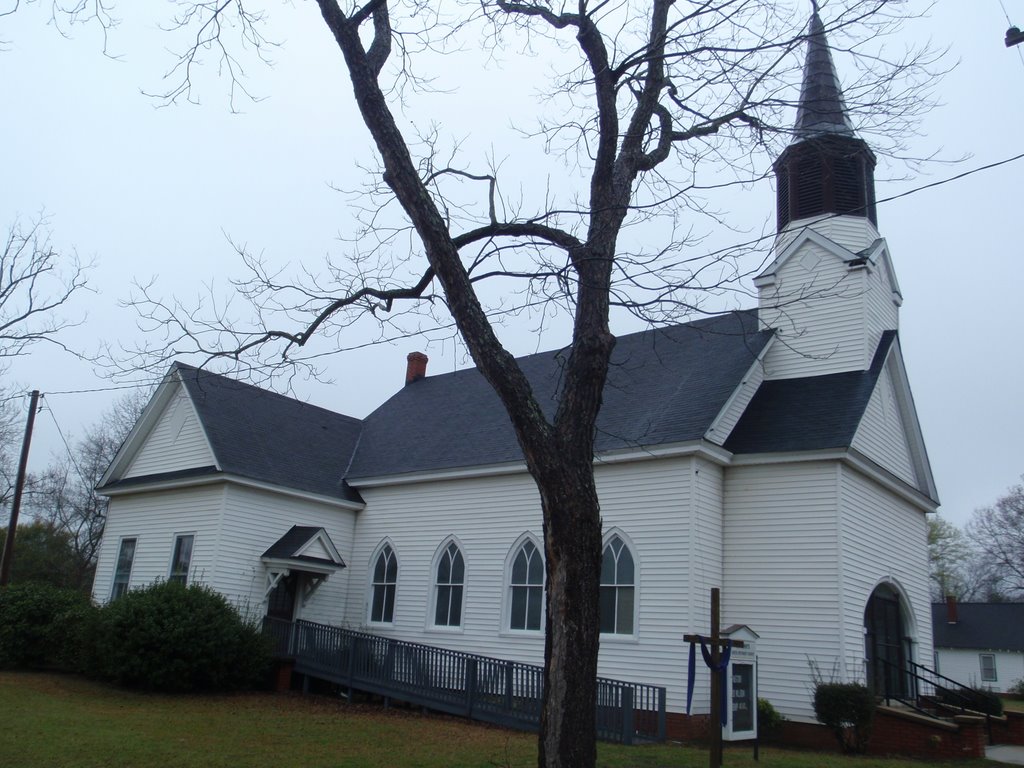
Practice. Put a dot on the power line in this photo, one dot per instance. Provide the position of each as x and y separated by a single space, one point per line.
156 380
111 388
67 446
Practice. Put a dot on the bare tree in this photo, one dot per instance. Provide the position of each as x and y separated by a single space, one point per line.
36 285
64 495
957 567
652 103
9 422
998 533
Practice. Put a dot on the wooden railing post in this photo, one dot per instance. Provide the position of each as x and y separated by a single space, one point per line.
389 660
661 714
509 673
353 649
470 686
626 702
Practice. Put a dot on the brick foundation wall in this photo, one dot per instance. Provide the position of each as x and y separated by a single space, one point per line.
282 676
808 736
893 733
904 733
680 727
1010 730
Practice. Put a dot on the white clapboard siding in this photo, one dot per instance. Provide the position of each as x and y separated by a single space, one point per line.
881 305
647 502
884 539
964 666
176 442
855 233
725 423
154 519
882 435
255 519
817 308
781 571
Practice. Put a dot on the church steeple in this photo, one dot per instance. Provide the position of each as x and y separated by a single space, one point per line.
826 169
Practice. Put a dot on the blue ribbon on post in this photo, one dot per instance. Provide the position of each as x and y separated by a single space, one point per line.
720 668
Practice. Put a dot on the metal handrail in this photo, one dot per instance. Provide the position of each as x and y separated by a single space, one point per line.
939 687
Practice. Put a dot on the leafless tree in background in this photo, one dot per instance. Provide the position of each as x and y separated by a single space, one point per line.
37 284
64 495
998 534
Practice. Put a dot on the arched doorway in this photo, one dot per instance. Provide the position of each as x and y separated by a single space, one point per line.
887 646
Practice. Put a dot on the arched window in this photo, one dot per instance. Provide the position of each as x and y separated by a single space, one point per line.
526 588
451 575
618 588
385 581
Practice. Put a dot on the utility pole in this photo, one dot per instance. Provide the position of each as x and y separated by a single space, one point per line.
19 486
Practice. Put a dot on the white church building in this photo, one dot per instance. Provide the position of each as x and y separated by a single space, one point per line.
774 453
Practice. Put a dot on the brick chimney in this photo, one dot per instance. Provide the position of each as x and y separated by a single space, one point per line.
416 367
951 617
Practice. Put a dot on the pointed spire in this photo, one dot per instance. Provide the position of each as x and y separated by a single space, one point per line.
821 109
826 169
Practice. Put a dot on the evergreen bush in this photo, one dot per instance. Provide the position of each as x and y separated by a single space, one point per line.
769 721
848 710
42 626
175 639
988 701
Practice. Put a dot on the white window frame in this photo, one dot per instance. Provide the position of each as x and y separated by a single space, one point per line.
435 587
171 576
373 584
994 678
114 594
510 560
635 586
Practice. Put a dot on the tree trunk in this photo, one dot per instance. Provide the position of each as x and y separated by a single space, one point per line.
573 561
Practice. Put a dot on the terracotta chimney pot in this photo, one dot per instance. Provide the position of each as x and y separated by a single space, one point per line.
951 615
416 367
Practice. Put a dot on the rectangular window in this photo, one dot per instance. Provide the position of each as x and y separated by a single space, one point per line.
988 667
182 558
123 569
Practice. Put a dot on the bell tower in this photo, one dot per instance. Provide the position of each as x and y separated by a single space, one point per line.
826 169
830 292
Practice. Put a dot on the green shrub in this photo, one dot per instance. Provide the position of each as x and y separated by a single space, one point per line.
1017 689
978 699
769 721
987 701
42 626
848 709
172 638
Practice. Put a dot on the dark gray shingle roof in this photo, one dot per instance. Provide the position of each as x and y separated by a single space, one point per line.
289 545
811 413
272 438
982 626
821 108
664 386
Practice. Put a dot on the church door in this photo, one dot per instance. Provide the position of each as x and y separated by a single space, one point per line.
281 603
886 646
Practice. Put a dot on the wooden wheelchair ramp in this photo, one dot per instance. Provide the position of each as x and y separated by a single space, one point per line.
493 690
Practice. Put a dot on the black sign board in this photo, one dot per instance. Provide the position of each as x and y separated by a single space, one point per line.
744 708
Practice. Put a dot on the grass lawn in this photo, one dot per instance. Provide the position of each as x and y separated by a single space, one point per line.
1014 705
53 721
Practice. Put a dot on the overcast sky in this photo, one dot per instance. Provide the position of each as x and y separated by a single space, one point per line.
155 193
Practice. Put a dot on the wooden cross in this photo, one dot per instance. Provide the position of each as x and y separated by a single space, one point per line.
717 644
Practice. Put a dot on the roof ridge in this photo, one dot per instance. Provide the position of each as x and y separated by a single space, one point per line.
231 381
